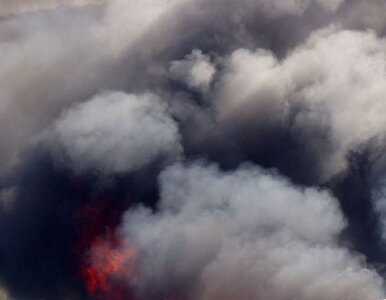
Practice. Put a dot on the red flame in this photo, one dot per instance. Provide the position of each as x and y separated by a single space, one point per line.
107 265
111 267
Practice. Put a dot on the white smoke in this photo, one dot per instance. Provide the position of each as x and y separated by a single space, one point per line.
248 234
115 132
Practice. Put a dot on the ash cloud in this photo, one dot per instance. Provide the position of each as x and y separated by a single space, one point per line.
113 105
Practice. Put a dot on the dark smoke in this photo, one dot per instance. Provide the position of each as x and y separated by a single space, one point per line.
192 149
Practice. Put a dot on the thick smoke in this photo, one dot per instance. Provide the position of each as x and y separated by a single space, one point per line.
327 91
192 149
238 236
132 132
53 59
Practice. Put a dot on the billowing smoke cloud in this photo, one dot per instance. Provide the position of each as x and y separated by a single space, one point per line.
238 236
36 87
192 149
115 133
328 91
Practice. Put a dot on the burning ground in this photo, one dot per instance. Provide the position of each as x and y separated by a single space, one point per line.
192 150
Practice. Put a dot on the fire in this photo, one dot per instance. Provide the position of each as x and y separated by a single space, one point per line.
111 267
107 265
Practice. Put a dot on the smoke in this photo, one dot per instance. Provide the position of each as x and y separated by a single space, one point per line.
132 132
192 149
36 87
238 236
196 71
327 91
23 6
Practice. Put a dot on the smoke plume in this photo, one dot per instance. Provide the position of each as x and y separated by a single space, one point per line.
192 150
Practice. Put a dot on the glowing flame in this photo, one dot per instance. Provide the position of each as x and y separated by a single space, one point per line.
112 266
107 265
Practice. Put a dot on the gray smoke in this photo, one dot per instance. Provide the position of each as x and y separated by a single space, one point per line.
196 71
248 234
248 135
23 6
328 91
